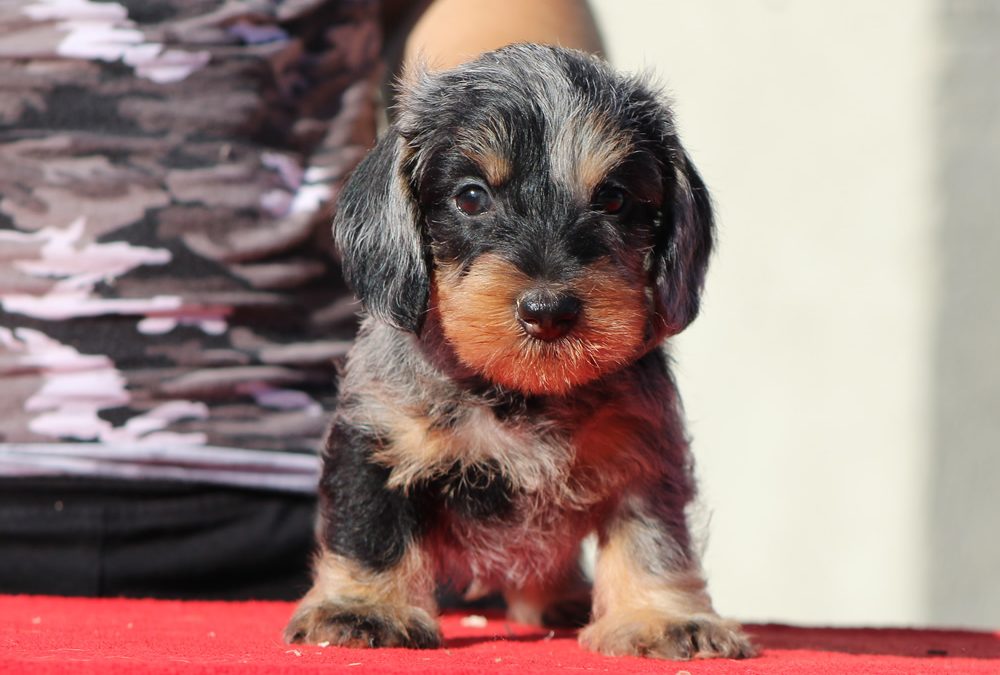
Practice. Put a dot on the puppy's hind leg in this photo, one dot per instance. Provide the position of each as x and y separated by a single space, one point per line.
650 597
373 581
562 602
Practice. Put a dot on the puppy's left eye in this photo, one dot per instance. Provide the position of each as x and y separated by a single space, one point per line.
610 199
473 200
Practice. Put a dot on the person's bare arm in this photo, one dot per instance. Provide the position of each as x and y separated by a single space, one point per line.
449 32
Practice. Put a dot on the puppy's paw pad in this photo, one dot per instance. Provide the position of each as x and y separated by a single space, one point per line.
696 638
362 627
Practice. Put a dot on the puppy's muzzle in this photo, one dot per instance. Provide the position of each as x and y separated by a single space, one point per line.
548 315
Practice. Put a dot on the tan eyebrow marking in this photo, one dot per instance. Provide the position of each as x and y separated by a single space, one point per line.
585 149
496 168
489 148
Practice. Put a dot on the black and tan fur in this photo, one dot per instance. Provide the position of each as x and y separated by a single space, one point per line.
466 448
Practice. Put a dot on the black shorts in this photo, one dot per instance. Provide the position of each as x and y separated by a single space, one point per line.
98 537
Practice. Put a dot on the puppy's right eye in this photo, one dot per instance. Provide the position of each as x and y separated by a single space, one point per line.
473 200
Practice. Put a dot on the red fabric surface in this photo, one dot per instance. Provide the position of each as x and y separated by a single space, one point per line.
65 635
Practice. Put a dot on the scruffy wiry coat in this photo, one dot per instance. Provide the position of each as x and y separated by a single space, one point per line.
523 238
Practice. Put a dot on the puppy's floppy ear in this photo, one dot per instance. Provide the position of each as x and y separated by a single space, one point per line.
683 245
377 232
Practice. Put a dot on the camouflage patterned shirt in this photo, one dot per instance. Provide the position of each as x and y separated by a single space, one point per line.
169 304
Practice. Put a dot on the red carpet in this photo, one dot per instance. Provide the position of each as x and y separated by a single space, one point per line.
59 635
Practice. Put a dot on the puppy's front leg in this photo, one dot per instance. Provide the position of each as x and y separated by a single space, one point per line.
649 594
373 582
351 606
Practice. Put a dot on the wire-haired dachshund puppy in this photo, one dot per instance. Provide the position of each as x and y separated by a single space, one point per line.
523 238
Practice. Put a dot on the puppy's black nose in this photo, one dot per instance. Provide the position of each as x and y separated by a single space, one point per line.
547 315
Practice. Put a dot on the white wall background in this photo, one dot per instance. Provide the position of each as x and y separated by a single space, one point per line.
815 380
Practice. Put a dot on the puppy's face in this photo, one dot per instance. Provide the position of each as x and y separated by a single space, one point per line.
542 206
541 219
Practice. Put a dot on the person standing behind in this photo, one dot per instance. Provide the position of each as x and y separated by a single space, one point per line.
171 309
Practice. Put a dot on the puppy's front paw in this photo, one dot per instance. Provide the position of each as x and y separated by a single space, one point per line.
363 626
701 637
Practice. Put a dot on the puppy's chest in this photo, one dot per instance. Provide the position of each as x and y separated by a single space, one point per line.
500 529
478 491
507 497
528 472
517 498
